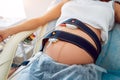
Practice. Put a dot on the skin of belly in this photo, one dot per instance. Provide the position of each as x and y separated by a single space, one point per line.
68 53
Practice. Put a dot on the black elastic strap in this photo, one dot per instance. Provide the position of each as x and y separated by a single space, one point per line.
86 29
24 63
74 39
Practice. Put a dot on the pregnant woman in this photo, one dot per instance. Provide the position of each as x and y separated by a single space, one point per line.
69 52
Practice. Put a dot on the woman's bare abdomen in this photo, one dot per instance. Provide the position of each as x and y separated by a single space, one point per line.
68 53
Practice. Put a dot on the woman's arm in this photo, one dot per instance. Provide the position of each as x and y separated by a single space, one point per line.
50 15
117 11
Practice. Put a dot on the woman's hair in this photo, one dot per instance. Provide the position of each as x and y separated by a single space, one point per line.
105 0
117 2
110 0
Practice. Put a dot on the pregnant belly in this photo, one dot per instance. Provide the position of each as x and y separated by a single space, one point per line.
68 53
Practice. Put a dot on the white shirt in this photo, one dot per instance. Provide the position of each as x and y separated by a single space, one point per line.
95 13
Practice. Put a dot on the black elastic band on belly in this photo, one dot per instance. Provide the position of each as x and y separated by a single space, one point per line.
74 39
86 29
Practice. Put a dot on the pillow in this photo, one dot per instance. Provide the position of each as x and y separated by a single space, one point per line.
111 51
110 54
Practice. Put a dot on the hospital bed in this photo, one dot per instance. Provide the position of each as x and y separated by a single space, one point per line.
108 59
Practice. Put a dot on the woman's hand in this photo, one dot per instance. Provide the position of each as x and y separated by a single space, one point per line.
3 34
